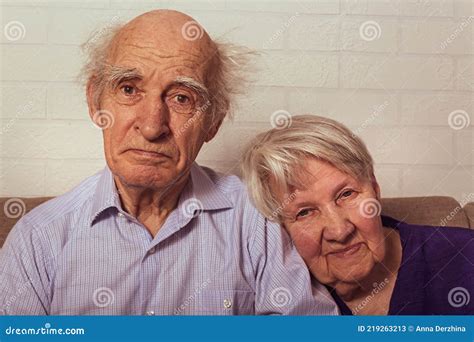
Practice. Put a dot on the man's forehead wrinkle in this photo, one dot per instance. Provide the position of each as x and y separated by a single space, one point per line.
151 64
184 65
145 51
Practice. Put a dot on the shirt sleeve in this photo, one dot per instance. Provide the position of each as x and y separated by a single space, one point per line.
283 283
23 277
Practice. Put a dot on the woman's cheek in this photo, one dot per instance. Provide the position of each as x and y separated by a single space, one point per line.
371 231
308 245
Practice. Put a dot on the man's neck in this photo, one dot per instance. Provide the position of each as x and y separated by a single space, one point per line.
150 206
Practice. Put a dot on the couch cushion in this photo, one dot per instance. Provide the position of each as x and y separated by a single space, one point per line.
13 208
469 210
435 210
432 210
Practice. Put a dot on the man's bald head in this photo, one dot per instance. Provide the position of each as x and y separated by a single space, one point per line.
168 32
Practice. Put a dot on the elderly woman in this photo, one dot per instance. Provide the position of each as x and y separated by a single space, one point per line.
316 178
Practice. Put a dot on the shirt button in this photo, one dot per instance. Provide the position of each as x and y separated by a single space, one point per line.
120 215
152 250
150 313
227 303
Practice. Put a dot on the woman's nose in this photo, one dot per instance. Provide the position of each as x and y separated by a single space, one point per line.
337 226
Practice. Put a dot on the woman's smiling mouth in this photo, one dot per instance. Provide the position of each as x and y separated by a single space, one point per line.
345 252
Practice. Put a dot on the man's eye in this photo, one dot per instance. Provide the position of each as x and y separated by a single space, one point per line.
181 102
128 90
182 99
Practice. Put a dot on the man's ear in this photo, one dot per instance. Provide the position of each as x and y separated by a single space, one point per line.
90 94
213 130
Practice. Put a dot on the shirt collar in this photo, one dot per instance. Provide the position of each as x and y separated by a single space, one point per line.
204 189
199 194
105 195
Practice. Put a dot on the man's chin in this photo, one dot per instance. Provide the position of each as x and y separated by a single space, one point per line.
145 176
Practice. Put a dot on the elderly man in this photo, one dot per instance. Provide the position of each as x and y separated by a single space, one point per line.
154 233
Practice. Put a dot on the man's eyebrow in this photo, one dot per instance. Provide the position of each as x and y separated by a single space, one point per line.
117 74
191 83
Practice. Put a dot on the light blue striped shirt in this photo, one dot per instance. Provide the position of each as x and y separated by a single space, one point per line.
82 254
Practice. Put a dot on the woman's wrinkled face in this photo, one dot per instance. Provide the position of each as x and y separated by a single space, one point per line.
335 224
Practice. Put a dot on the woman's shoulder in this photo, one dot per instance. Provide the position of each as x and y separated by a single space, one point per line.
435 246
435 262
437 237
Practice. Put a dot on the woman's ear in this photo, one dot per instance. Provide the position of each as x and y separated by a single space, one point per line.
375 186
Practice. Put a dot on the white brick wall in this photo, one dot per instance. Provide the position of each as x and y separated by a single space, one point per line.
396 90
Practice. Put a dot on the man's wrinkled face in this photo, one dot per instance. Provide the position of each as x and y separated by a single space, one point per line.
160 109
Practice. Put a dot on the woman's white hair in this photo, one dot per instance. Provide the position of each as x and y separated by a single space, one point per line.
226 79
276 158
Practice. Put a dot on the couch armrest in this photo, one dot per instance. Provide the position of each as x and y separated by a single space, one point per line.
432 210
12 209
469 210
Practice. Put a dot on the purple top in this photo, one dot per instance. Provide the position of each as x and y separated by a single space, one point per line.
436 276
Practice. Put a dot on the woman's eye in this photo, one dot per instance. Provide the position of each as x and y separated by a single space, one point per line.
347 193
303 213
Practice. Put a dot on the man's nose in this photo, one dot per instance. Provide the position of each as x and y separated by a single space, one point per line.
153 119
337 225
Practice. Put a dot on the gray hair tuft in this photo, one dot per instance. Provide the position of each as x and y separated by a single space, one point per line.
277 158
227 79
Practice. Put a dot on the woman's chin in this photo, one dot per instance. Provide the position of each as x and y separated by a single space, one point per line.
353 273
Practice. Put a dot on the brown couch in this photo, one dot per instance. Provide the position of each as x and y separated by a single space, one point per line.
434 210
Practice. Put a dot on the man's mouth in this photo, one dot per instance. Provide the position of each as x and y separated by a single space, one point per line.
148 154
